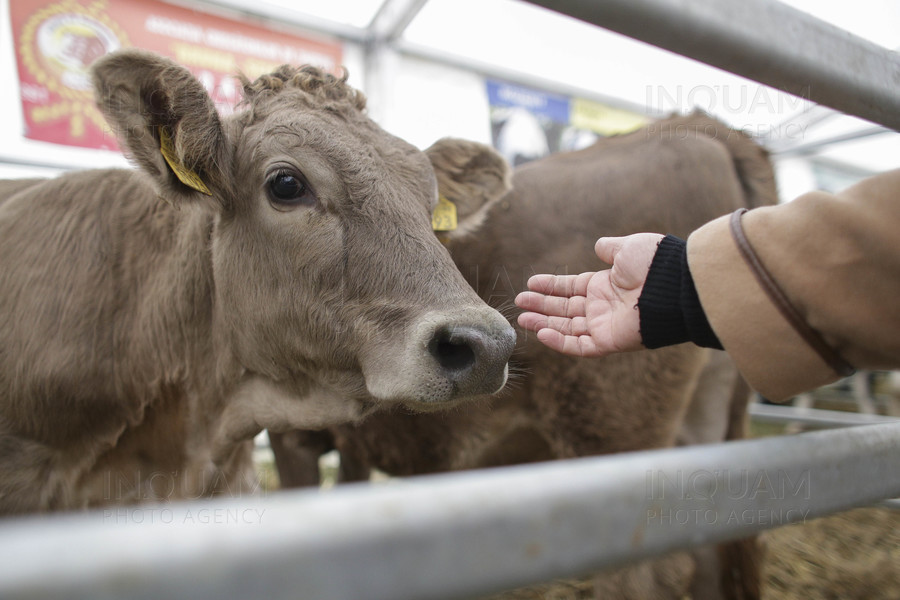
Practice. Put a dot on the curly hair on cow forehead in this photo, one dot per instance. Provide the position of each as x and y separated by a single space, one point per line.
316 82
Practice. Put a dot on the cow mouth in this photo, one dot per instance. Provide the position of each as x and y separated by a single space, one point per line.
441 396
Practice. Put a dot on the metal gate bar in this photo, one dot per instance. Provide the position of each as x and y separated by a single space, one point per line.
454 535
815 417
763 40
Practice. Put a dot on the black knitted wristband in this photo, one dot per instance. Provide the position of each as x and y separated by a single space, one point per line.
659 304
670 310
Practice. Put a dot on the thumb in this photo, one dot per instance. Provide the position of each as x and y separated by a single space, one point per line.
607 248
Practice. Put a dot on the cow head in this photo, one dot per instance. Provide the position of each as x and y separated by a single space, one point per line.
325 267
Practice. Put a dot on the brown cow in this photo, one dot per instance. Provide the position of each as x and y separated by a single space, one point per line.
276 268
669 177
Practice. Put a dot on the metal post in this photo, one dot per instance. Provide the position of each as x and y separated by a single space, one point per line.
392 19
451 536
763 40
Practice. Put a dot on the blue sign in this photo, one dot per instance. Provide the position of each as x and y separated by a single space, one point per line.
551 106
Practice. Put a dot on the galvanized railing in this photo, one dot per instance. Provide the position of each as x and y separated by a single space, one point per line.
763 40
816 418
451 536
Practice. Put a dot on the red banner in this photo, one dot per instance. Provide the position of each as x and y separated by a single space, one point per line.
57 40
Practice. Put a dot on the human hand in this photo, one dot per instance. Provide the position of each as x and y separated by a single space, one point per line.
592 314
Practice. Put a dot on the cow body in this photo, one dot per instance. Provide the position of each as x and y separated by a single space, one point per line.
274 269
670 177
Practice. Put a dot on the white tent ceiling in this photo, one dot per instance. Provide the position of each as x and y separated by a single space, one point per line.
517 41
535 45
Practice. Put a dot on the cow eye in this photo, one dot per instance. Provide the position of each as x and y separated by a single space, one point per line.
287 190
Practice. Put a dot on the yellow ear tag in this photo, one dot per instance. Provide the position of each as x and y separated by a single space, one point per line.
444 216
185 175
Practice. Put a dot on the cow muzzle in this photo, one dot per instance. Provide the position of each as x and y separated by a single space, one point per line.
471 359
443 359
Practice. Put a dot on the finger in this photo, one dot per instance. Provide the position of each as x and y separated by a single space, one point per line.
532 321
551 305
566 326
536 322
568 344
606 248
559 285
530 301
552 339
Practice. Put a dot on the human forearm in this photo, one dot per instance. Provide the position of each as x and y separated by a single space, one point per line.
836 259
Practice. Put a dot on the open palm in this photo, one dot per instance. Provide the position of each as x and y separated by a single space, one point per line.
594 313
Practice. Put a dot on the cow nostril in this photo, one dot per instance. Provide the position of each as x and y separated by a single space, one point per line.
454 356
453 349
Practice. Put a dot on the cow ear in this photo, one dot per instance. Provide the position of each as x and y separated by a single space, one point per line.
165 120
472 177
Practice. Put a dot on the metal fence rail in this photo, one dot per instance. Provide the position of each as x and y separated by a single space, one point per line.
763 40
451 536
814 417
